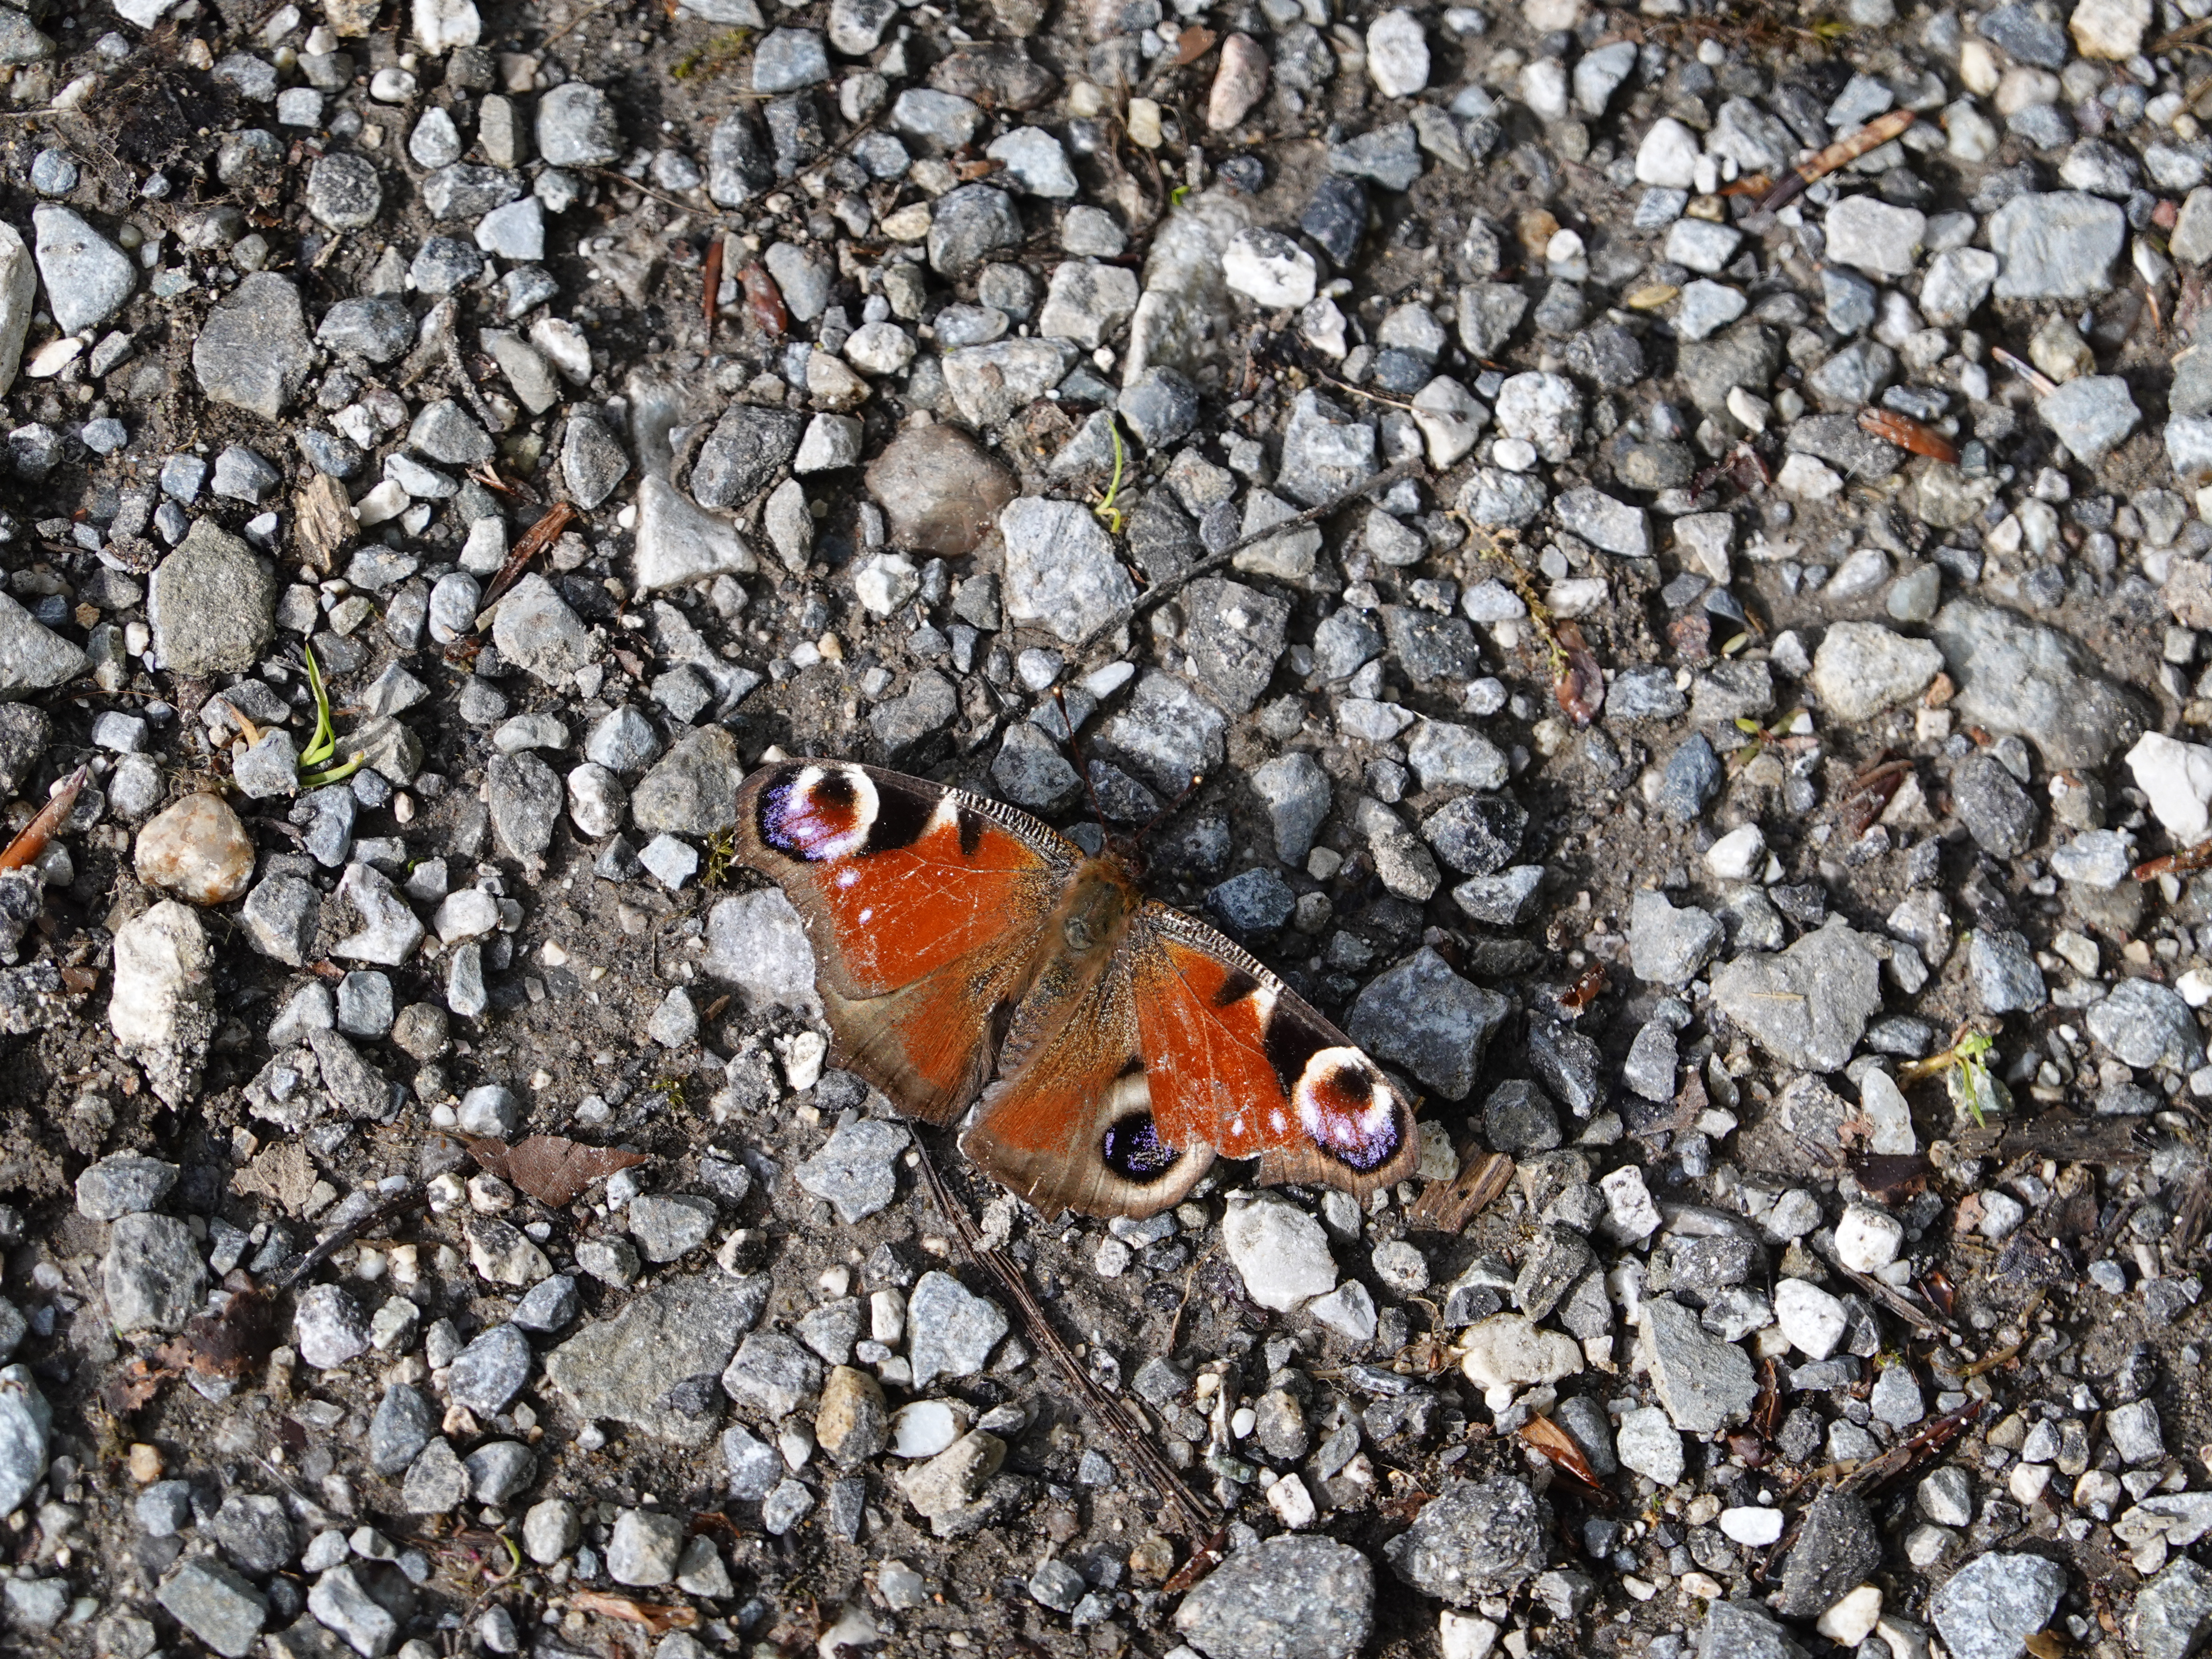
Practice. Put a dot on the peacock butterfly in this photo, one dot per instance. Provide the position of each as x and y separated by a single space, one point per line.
1111 1047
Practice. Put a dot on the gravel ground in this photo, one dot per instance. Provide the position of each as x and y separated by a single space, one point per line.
1690 639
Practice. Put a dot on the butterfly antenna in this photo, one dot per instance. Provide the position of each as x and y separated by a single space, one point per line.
1082 761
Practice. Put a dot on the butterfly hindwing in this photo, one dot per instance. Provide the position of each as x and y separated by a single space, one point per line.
1239 1062
1122 1080
924 905
1070 1125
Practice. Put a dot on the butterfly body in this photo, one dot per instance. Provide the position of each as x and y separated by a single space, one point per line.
1104 1047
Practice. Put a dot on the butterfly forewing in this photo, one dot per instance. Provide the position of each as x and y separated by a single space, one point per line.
923 905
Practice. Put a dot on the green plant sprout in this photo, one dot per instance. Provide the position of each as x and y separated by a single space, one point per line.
1965 1068
1761 736
1104 507
316 767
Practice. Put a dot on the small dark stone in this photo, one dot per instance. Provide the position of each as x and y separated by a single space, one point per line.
1692 777
1998 812
1336 216
1835 1549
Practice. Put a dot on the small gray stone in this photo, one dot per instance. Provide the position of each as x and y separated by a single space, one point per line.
1690 779
26 1422
536 629
1297 794
1807 1005
217 1604
1991 1606
1060 568
950 1332
500 1471
629 1368
693 790
1477 1540
2147 1025
1862 669
2091 415
1668 946
490 1371
253 351
327 1327
645 1547
2015 677
576 127
123 1183
1996 811
773 1373
87 278
671 1226
1294 1596
968 224
344 1605
2062 246
154 1276
343 191
2172 1614
213 604
400 1427
1837 1547
1419 1014
1705 1383
857 1169
592 461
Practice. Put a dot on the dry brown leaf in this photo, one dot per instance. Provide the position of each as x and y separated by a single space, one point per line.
1554 1442
27 847
655 1616
227 1344
284 1173
130 1387
552 1169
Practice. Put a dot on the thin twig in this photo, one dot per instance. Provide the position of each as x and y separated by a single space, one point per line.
575 22
1159 591
612 177
1193 1512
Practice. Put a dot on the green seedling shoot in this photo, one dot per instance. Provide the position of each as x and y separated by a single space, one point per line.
1104 507
1965 1068
1969 1082
316 765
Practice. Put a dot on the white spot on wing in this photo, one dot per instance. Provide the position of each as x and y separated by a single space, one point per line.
945 816
1331 1124
822 843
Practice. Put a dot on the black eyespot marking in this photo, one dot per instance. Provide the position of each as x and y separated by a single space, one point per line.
971 831
901 819
834 793
1133 1149
1234 989
1351 1083
1133 1067
1290 1043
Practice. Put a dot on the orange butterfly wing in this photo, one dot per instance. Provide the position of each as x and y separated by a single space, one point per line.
1125 1074
924 905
